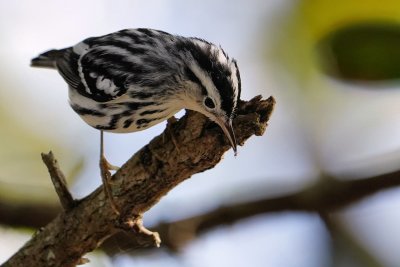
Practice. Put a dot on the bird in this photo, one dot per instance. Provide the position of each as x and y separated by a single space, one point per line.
133 79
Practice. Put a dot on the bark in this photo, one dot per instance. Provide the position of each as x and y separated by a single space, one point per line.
188 146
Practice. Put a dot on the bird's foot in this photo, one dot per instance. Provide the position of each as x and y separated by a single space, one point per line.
105 168
110 166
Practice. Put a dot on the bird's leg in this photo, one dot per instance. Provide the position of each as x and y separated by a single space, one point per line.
105 168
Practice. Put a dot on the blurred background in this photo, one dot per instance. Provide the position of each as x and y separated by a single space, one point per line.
334 70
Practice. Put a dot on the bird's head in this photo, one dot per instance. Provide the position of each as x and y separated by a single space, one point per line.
214 84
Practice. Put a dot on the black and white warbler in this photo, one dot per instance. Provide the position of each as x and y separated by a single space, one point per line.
132 79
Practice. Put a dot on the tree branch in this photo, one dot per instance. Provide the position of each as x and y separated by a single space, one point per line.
150 174
327 195
59 181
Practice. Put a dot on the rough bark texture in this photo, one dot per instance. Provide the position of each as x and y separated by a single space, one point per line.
188 146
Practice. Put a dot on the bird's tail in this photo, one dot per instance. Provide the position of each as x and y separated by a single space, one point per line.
47 59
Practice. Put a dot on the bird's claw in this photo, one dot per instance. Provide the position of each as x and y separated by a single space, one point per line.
105 167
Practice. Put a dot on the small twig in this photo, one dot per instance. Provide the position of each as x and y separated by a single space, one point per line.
59 181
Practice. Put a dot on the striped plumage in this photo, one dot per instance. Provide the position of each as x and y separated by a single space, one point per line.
133 79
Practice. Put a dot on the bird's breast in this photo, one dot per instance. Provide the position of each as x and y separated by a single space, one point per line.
122 116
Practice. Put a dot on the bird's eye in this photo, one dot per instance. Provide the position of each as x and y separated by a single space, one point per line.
209 102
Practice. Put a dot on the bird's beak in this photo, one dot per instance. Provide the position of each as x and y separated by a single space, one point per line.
227 128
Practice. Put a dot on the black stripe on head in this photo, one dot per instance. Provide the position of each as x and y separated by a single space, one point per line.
220 73
192 77
239 86
221 79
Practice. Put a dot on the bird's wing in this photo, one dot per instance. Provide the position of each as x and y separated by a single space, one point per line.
94 72
104 71
67 66
64 60
106 66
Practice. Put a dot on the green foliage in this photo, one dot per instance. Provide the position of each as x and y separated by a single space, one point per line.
363 51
